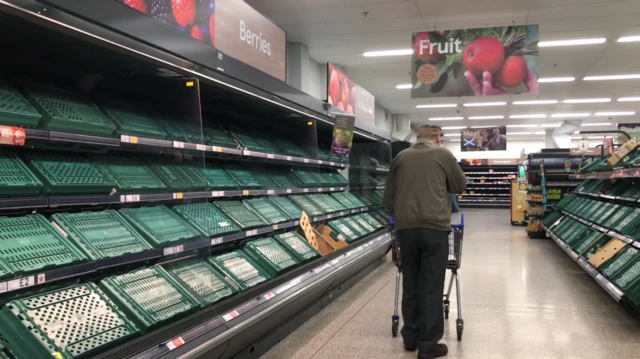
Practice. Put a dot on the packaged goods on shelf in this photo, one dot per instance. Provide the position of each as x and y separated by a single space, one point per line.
16 179
204 283
622 152
241 270
297 246
269 255
130 175
267 210
243 217
160 226
207 218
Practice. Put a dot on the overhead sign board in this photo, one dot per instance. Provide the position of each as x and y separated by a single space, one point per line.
633 129
347 96
484 139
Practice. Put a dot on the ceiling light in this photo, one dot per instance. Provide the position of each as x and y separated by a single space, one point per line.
480 104
451 134
628 99
400 52
596 124
531 115
485 126
615 113
587 100
404 86
454 127
598 40
443 105
556 79
596 137
446 118
550 125
572 114
577 138
521 126
456 140
539 133
634 38
612 77
519 133
495 117
536 102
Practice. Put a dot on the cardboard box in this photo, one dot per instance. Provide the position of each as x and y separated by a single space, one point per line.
606 252
623 151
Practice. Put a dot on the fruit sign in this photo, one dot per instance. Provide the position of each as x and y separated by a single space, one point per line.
342 135
349 97
475 62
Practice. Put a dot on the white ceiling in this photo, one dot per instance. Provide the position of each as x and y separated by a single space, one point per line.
337 31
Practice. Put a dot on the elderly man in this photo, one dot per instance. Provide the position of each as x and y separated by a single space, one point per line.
498 142
417 195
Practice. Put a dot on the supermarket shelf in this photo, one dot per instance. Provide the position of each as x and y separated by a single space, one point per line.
486 194
563 183
489 188
489 183
490 173
43 277
371 168
601 229
365 188
619 173
605 283
626 200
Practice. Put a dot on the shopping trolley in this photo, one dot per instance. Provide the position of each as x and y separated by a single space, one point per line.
453 264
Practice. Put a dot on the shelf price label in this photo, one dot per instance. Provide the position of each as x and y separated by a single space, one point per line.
217 194
289 191
177 195
306 190
245 192
173 250
231 315
320 162
252 232
216 241
201 147
3 287
247 153
332 163
270 191
177 342
178 144
332 189
270 156
20 283
289 158
306 160
320 189
130 198
128 139
269 296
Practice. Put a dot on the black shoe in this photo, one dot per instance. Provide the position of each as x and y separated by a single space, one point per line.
435 351
410 347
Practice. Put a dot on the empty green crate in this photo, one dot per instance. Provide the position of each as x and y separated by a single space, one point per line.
241 269
217 178
289 148
265 180
321 203
178 177
366 220
15 110
287 206
319 179
243 176
16 179
30 243
582 243
215 136
267 210
306 205
348 203
356 226
130 175
178 130
204 283
337 205
303 178
247 141
354 199
613 266
551 218
283 179
364 199
206 218
240 214
102 234
69 174
270 256
265 144
132 121
160 226
628 276
67 111
75 322
149 297
297 246
340 231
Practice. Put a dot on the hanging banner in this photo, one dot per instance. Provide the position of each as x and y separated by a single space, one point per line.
632 129
484 139
349 97
343 135
475 62
231 26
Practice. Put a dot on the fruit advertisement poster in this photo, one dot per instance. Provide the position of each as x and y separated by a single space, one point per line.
475 62
633 129
343 135
484 139
349 97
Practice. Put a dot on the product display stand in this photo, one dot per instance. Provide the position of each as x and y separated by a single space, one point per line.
488 186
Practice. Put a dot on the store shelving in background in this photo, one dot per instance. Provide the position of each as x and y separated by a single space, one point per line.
487 186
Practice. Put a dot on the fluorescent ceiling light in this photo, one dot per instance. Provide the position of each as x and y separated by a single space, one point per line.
571 114
495 117
521 126
454 127
556 79
615 113
531 115
628 99
519 133
442 105
596 137
596 124
451 134
612 77
587 100
484 126
446 118
574 42
456 140
404 86
481 104
536 102
550 125
539 133
634 38
577 138
400 52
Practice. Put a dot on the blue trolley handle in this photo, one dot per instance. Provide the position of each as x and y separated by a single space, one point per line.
459 225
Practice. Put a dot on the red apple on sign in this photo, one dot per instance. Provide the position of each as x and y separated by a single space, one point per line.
340 106
425 50
483 54
334 87
512 73
344 91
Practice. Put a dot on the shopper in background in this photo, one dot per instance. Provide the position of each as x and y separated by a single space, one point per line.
417 196
454 203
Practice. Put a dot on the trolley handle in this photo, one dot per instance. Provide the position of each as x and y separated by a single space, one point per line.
453 225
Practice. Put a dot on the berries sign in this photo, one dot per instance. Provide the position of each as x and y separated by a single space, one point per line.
475 62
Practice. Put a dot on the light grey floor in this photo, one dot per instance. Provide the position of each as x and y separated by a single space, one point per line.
522 298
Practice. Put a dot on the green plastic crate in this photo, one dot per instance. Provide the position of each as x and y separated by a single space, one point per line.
629 275
265 144
241 215
341 231
247 141
287 207
204 283
321 203
353 222
75 322
69 174
297 246
283 179
149 297
217 178
243 176
160 226
178 177
342 198
619 262
206 218
265 179
306 205
267 210
289 148
241 269
270 256
354 199
102 234
365 218
15 110
337 205
215 136
130 175
178 130
320 179
582 243
30 243
16 179
304 178
130 120
67 111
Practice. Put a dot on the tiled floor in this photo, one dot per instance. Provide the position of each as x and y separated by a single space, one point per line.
522 298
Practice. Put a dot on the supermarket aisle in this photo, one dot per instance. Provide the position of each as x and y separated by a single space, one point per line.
522 298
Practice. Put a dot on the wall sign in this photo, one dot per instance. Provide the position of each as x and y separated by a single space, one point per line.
484 139
475 62
632 129
343 135
347 96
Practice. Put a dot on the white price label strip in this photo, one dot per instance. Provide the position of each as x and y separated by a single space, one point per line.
130 198
20 283
289 191
247 153
178 144
217 194
289 158
270 156
216 241
173 250
251 233
201 147
231 315
269 296
270 191
306 160
177 342
288 285
3 287
306 190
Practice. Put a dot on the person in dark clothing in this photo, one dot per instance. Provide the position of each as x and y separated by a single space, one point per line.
417 194
498 142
